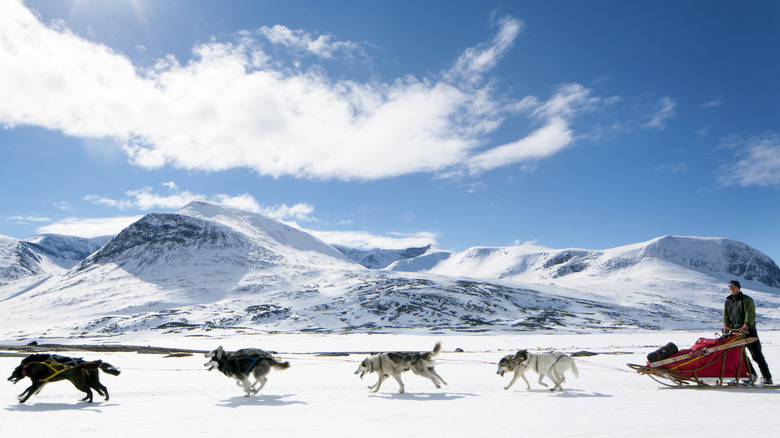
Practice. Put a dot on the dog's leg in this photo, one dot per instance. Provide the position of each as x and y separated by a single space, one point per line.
375 387
93 381
34 388
247 387
397 378
102 390
527 385
559 376
262 380
433 379
437 376
553 376
88 398
541 376
80 384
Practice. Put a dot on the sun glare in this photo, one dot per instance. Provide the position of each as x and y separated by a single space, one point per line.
139 8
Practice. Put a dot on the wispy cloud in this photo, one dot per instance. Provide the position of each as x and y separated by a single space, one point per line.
712 104
544 142
663 112
477 60
300 40
555 135
671 168
173 198
756 162
229 107
363 240
24 219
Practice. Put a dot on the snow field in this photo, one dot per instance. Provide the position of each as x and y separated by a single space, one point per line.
321 395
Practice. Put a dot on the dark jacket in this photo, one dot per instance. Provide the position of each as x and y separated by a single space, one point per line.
739 309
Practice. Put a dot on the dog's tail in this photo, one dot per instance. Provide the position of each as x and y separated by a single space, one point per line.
110 369
436 349
574 370
280 365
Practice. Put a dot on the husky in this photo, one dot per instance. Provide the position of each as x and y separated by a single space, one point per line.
393 364
551 365
244 363
45 368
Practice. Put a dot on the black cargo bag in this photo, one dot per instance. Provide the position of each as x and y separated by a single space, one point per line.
662 353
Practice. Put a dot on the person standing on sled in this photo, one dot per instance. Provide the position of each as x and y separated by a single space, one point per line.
739 313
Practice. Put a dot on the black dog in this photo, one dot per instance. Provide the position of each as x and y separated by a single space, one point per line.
45 368
244 363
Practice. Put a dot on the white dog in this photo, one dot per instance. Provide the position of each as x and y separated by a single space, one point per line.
552 365
393 364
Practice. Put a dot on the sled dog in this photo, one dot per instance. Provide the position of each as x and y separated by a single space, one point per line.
45 368
394 363
242 364
552 365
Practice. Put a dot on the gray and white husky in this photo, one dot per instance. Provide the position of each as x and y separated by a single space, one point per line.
552 365
244 363
393 364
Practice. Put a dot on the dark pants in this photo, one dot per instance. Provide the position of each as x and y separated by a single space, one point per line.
758 356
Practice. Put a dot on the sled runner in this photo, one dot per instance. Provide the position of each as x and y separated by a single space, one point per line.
718 362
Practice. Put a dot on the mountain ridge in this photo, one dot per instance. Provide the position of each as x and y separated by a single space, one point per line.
209 267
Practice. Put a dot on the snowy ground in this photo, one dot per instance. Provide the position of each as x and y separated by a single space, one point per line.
321 395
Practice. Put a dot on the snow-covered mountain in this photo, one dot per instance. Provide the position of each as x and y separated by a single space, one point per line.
533 263
210 267
25 263
17 261
65 251
409 259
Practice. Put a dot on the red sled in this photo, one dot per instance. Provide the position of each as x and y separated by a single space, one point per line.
710 362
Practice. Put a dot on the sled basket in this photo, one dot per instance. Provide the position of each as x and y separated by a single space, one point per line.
709 362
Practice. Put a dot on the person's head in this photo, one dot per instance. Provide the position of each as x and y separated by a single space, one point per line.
734 287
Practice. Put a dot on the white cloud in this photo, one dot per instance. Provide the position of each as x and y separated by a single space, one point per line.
757 162
322 46
569 101
664 111
475 61
89 227
546 141
712 104
364 240
25 219
173 198
301 211
229 108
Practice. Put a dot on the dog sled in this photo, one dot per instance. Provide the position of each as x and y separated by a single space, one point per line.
721 362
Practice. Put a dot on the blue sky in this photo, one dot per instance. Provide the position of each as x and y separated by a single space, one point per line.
568 124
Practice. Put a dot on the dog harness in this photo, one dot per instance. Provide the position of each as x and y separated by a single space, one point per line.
536 362
227 367
51 366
